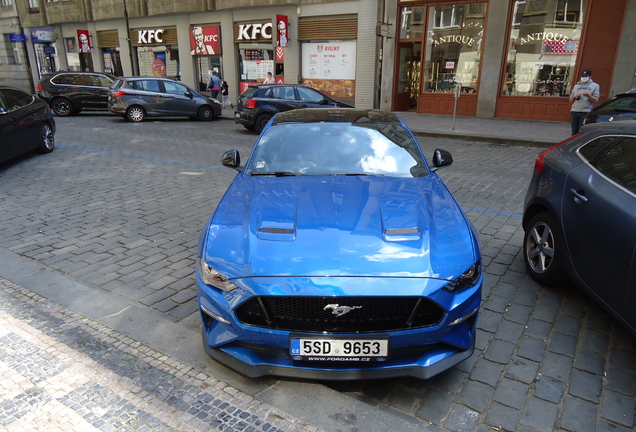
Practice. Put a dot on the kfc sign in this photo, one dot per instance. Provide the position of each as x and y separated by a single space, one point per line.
205 40
149 36
254 32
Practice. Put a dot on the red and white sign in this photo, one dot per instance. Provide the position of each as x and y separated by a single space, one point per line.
282 24
84 41
280 80
280 54
205 40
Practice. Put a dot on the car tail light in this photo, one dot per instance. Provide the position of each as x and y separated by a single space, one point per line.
39 88
538 164
118 93
250 103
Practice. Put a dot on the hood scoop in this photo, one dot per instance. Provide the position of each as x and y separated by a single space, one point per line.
277 231
400 221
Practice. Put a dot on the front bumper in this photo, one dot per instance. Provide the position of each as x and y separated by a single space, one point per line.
243 117
420 352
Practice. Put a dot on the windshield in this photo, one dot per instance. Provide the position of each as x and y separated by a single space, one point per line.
337 149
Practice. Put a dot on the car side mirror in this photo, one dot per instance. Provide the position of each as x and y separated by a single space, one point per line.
441 159
232 159
189 94
323 102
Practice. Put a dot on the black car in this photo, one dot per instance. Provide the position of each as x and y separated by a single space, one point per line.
619 107
259 103
136 98
580 216
26 123
69 93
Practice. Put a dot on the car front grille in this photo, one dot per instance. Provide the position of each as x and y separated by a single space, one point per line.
357 314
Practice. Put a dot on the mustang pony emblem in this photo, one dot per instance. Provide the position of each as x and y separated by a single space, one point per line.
341 310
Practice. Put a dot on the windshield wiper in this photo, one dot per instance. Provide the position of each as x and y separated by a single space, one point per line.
274 173
359 174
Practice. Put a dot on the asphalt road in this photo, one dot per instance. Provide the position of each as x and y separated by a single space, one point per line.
118 207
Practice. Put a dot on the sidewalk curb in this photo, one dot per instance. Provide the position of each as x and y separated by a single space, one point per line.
488 139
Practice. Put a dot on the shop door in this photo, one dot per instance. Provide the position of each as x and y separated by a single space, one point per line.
408 76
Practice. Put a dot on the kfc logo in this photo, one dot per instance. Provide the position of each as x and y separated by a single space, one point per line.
254 31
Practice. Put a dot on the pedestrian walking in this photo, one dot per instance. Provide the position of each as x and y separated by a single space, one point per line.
214 85
226 94
583 97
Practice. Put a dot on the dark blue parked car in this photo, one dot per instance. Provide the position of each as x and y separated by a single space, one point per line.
337 253
580 216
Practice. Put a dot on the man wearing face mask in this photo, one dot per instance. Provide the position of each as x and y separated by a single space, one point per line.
583 97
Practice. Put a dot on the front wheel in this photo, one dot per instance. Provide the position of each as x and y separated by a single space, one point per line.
135 114
543 246
261 122
205 113
62 107
47 139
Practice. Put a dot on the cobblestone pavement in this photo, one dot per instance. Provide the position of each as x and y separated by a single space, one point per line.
61 371
119 206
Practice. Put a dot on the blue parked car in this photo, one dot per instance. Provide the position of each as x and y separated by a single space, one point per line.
338 253
580 216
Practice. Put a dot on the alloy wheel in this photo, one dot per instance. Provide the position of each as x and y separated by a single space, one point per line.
540 247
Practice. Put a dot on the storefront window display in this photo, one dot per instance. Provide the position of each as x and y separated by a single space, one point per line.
255 60
159 61
206 48
205 65
111 58
453 47
543 47
330 67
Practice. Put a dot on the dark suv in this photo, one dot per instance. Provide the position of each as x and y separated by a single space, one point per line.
619 107
69 93
259 103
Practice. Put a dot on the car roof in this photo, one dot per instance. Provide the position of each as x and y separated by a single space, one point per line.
339 115
615 127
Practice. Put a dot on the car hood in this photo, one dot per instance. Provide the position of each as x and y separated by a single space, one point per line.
339 226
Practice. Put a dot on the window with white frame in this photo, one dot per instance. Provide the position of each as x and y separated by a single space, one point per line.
569 11
7 2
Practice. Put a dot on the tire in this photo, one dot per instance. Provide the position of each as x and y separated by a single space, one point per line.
543 246
47 139
62 107
205 113
261 122
135 114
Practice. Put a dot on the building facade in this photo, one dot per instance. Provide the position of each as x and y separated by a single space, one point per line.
499 58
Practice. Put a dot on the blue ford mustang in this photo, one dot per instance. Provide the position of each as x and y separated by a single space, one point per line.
338 253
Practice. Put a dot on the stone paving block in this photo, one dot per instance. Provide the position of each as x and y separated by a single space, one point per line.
621 381
563 344
595 341
488 320
509 331
578 415
539 415
404 401
511 393
496 304
523 370
186 309
538 329
590 362
526 298
487 372
586 386
476 396
462 419
568 324
156 296
532 348
450 381
549 389
499 351
546 313
622 358
557 366
518 313
434 406
618 408
501 417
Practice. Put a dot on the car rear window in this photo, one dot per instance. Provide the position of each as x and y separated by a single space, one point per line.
249 92
626 104
338 149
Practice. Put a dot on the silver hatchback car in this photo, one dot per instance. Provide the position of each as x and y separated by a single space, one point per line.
136 98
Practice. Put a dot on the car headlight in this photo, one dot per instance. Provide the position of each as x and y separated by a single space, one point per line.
465 280
216 101
209 276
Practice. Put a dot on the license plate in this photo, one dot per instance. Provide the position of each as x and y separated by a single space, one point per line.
321 349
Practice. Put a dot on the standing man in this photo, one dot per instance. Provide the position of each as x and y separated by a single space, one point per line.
583 97
214 84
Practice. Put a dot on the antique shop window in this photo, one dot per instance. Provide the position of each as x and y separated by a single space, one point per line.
453 47
543 47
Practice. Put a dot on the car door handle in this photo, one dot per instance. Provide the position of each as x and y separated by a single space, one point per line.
579 196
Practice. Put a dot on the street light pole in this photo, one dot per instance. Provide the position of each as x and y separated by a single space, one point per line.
132 63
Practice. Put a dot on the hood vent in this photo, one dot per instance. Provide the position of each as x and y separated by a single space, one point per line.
277 233
401 231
